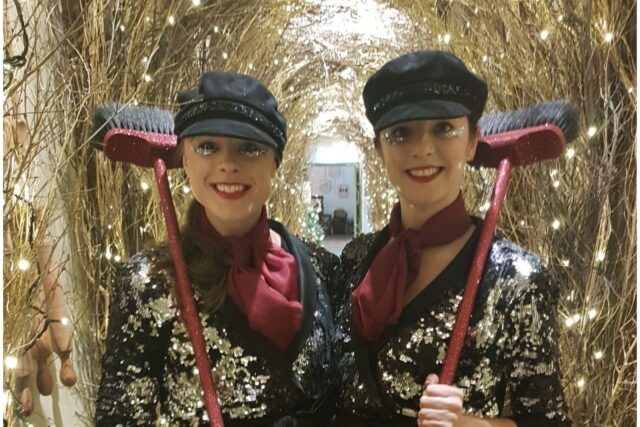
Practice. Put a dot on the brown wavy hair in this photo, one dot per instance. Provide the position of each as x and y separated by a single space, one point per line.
207 263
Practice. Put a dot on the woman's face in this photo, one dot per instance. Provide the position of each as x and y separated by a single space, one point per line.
230 177
425 159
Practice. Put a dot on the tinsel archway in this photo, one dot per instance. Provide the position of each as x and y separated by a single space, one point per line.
579 213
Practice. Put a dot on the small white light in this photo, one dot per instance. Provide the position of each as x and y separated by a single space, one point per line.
135 102
571 153
544 34
592 313
553 173
560 18
569 322
565 263
276 62
475 10
122 28
107 253
147 19
576 318
117 258
196 2
555 224
580 382
64 321
215 29
485 207
23 265
485 58
556 184
147 78
185 189
109 227
145 60
10 362
251 66
522 222
144 185
447 38
195 371
597 355
608 37
630 90
600 256
171 20
225 55
468 24
591 131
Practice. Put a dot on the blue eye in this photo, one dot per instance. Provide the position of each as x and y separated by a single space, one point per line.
205 148
252 149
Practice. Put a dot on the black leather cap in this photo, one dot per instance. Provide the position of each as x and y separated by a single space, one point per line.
234 105
427 84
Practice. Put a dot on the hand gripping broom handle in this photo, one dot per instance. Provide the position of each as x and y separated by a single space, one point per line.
186 302
477 268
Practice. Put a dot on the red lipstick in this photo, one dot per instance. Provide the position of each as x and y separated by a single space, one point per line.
423 179
230 196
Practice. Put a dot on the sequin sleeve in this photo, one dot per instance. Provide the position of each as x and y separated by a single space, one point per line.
532 355
129 389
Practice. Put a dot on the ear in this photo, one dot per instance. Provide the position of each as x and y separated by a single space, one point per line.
473 145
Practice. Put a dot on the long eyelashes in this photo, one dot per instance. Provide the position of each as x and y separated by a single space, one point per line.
247 149
406 134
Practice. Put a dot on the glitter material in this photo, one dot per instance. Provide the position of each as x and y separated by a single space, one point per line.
148 370
221 108
510 348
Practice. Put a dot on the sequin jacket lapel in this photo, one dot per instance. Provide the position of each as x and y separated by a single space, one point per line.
511 345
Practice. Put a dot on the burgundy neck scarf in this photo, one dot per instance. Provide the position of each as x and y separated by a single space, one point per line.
379 299
262 280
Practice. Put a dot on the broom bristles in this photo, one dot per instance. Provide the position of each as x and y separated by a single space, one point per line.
560 113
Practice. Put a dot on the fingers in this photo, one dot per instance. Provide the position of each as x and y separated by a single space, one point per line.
445 403
431 379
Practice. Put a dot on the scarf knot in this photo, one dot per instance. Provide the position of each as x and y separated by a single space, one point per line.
379 299
262 280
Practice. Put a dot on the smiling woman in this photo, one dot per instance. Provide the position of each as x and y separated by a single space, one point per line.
404 283
260 291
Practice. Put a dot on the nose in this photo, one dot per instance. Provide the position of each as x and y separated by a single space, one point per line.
424 146
227 161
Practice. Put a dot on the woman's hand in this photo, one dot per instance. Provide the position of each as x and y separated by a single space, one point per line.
440 404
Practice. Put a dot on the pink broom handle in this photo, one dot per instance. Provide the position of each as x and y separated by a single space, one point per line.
473 280
186 302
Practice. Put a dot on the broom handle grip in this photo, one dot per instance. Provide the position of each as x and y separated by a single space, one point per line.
475 274
186 302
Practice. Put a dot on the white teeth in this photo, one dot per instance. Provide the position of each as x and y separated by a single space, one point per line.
224 188
424 172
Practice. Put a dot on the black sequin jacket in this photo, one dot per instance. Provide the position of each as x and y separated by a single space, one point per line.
510 353
148 369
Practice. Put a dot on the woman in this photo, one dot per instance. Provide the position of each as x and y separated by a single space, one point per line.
259 289
404 283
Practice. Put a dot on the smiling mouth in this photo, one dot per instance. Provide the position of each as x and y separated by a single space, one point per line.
424 174
230 188
230 191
